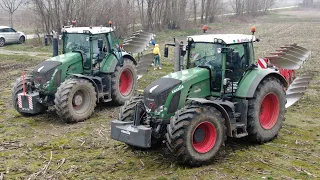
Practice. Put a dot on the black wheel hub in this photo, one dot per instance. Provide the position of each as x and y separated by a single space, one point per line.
199 135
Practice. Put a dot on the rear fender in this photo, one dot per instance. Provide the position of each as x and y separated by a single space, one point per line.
253 78
219 108
109 65
128 56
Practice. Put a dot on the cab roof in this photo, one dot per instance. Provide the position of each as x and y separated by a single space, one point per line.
3 27
226 38
85 30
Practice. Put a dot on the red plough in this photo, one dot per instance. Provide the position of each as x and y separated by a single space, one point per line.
288 59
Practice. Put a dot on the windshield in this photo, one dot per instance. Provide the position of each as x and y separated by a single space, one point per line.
206 54
74 42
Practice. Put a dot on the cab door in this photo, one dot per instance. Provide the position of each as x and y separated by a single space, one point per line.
238 61
15 35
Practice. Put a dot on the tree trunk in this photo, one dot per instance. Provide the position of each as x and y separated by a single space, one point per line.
207 12
202 9
195 11
11 18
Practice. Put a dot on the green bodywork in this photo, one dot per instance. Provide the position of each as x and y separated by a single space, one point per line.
196 82
73 62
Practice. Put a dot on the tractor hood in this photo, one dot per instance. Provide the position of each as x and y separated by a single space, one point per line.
63 58
157 92
194 74
44 71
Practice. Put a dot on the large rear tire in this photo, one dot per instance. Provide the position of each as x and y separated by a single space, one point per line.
266 111
18 88
195 134
124 82
75 100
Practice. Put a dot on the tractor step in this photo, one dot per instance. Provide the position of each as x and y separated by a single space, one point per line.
237 115
240 131
107 100
241 135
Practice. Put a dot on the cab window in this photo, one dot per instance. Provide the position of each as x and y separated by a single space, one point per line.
113 41
95 44
237 61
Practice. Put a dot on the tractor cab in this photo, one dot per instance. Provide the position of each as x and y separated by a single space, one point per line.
227 56
96 44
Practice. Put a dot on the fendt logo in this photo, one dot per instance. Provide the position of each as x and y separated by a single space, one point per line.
177 89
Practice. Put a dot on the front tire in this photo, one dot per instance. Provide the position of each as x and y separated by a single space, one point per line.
75 100
22 39
124 82
195 134
266 111
127 112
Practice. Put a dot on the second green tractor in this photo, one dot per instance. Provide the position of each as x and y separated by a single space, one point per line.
221 93
92 69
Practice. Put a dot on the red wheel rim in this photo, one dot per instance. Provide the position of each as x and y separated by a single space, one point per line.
125 84
269 112
204 144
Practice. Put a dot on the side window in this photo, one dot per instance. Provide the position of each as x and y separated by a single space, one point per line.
237 61
11 30
6 30
113 41
239 57
95 43
1 30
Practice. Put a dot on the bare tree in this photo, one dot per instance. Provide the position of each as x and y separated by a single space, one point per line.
11 6
252 7
307 3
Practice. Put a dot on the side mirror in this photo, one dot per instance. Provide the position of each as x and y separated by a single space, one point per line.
100 44
166 51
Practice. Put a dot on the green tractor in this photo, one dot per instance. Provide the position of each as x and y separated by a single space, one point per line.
92 69
221 93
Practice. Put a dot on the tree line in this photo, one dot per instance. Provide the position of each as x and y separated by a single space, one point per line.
130 15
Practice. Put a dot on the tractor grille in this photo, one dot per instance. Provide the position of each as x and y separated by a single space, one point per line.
44 71
156 94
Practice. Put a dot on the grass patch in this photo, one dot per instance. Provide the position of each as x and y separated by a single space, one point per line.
32 45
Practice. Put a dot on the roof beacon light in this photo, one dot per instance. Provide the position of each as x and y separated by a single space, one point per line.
73 22
253 29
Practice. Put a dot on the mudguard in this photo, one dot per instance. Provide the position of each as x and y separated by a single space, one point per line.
93 80
128 56
252 79
219 108
111 62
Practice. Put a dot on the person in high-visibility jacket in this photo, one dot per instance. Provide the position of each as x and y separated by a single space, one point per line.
156 53
205 28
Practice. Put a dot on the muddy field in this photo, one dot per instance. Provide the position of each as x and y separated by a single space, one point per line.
43 147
